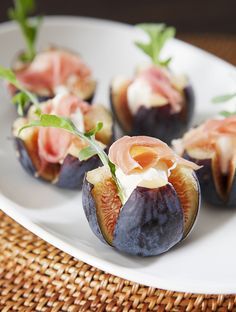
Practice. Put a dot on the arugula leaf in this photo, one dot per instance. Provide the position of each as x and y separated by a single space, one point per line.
86 153
7 74
29 28
23 97
223 98
54 121
95 130
158 35
20 99
227 114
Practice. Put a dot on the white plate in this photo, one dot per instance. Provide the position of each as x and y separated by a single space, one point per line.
205 262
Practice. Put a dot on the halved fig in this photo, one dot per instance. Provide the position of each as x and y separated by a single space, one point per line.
68 171
151 221
52 70
157 120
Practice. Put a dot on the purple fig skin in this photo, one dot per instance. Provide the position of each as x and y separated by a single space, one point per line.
89 206
72 171
207 183
160 122
149 223
23 157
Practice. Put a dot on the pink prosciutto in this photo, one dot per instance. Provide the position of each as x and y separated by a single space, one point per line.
160 81
51 69
53 143
120 154
209 133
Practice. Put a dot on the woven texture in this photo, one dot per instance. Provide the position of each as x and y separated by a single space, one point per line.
35 276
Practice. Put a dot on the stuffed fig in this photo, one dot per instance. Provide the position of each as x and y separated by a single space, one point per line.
150 205
53 154
155 102
52 71
212 145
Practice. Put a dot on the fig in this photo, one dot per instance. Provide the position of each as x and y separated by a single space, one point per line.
150 221
71 73
68 172
217 188
157 121
212 145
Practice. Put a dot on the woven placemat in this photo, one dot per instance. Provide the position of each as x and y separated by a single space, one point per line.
35 276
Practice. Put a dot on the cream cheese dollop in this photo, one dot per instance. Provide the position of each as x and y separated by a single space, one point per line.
149 178
140 93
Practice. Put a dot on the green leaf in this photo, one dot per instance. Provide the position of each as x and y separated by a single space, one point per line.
47 120
8 75
223 98
158 35
24 96
227 114
66 124
86 153
94 130
20 99
29 28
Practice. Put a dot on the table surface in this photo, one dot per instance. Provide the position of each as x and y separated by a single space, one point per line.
35 276
214 16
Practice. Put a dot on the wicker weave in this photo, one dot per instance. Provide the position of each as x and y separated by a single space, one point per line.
35 276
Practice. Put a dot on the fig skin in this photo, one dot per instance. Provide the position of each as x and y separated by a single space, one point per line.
69 175
149 223
159 122
72 171
23 156
208 186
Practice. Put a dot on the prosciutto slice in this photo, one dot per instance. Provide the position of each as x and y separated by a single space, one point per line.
53 143
142 152
51 69
160 81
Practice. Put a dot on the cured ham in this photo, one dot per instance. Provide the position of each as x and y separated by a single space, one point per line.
207 135
142 152
53 143
51 69
160 81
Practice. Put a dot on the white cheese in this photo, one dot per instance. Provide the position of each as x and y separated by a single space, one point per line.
118 82
61 90
78 120
150 178
226 149
140 93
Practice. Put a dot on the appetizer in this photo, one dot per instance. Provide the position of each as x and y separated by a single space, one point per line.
46 73
212 145
53 154
152 205
144 199
155 102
